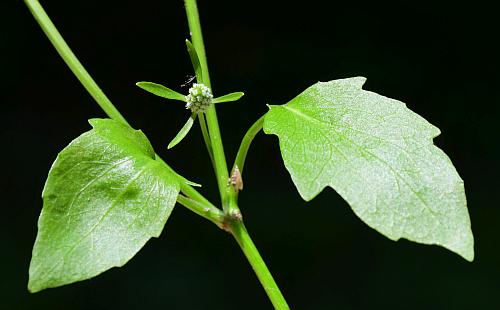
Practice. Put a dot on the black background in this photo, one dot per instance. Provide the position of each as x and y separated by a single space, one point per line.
440 57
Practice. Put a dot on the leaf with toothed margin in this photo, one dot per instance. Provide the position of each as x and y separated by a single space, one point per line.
106 195
379 156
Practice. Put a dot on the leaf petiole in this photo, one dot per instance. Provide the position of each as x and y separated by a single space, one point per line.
245 143
209 212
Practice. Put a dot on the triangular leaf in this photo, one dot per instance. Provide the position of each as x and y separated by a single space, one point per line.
195 61
379 156
160 90
228 97
104 198
183 132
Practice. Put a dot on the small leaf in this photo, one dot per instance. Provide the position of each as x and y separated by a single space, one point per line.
379 156
228 97
160 90
195 61
183 132
104 198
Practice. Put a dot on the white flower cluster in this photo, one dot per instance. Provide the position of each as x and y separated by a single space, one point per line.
199 98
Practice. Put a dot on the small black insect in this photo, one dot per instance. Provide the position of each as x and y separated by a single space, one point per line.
189 81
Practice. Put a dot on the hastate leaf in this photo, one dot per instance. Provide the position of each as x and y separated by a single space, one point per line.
379 156
104 198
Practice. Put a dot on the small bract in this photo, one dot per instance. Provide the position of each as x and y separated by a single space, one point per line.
199 98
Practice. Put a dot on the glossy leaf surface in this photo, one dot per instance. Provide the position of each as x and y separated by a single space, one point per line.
104 198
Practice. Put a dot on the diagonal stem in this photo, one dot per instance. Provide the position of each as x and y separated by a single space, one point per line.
246 244
73 63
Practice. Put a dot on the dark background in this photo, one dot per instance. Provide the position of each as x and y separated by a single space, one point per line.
440 57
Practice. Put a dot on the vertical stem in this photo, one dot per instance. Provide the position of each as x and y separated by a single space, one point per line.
206 138
211 115
228 196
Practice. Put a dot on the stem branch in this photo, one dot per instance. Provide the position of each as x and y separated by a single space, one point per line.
209 212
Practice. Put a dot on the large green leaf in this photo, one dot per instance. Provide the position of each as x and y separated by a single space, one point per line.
379 156
104 198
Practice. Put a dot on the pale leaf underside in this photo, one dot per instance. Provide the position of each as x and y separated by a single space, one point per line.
379 156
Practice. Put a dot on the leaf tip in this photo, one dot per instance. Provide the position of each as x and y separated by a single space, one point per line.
358 81
468 252
469 257
34 286
142 85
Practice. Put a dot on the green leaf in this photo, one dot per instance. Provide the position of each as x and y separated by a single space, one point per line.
104 198
379 156
160 90
183 132
195 61
228 97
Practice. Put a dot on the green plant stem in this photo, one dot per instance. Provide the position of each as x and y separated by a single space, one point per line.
245 144
73 63
90 85
211 115
241 156
206 138
248 247
209 212
229 203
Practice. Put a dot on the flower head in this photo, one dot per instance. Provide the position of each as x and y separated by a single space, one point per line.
199 98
